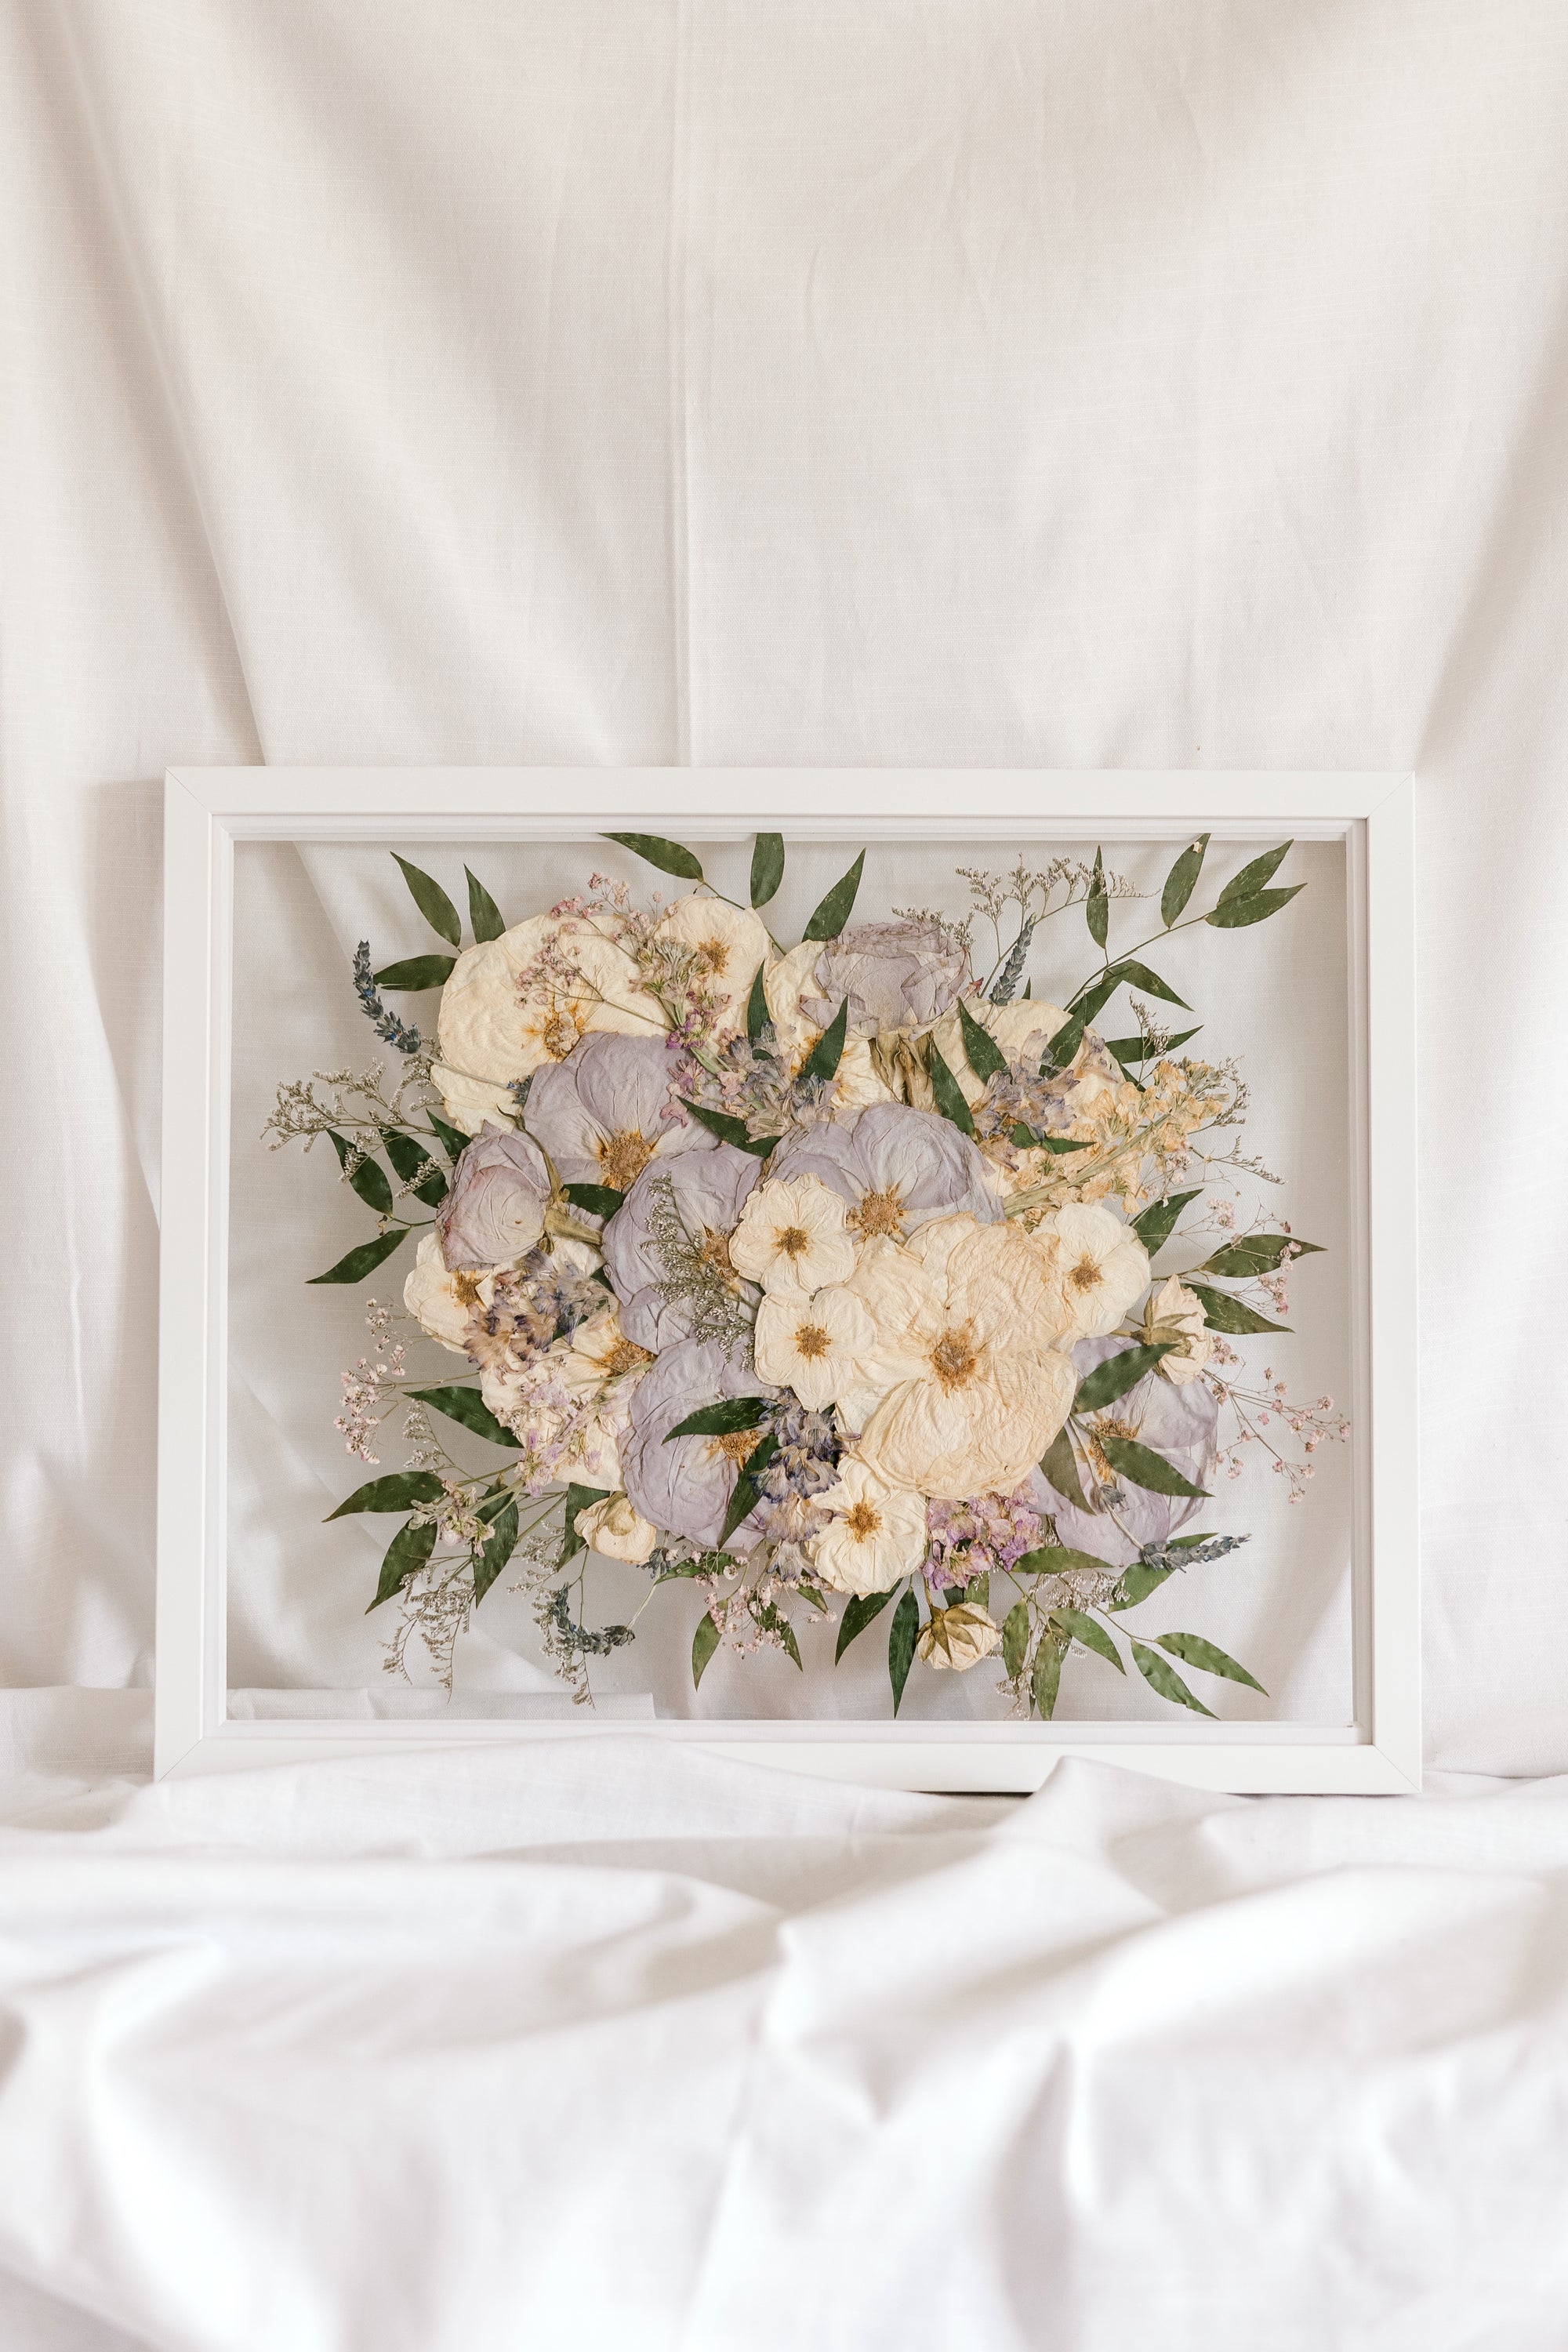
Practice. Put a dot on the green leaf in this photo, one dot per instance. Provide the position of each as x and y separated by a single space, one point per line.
823 1057
416 972
743 1501
1136 1049
468 1407
399 1491
1193 1651
1060 1143
1016 1639
767 866
1255 909
859 1612
1059 1465
1167 1680
454 1143
489 1562
786 1635
409 1550
1116 1375
431 902
834 912
1096 906
1181 880
1136 1583
757 1013
1089 1632
729 1129
1146 1468
986 1056
363 1260
814 1593
946 1092
1055 1560
704 1642
1048 1675
902 1637
409 1157
1138 975
1251 879
369 1179
1256 1254
485 918
578 1498
1223 1313
493 1505
720 1420
668 855
599 1199
1157 1224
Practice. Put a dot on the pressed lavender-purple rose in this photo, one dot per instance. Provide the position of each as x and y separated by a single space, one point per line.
897 1167
601 1113
1177 1423
494 1211
896 975
703 1193
685 1485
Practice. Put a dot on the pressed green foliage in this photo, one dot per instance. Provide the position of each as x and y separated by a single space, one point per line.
668 855
825 1056
834 912
859 1612
902 1637
1055 1560
1193 1651
756 1008
365 1259
1181 880
454 1143
599 1199
1059 1465
704 1642
398 1491
1047 1676
729 1129
1157 1222
946 1092
431 902
577 1499
489 1561
1136 1049
1138 975
767 866
369 1179
1016 1639
1256 1254
1162 1677
1255 909
417 971
414 1165
1089 1632
1117 1375
1251 879
720 1420
1096 906
1137 1583
485 918
986 1058
468 1407
743 1501
1223 1313
409 1550
1146 1468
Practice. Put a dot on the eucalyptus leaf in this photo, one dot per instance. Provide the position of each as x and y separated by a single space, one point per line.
408 1552
729 1129
704 1642
485 918
743 1501
1193 1651
757 1013
668 855
946 1092
986 1056
1256 1254
369 1179
599 1199
860 1610
1058 1144
1136 1049
1157 1222
1165 1680
1251 879
1181 880
467 1407
1255 909
1130 1459
767 866
720 1420
454 1143
489 1562
1047 1676
432 901
902 1637
1055 1560
1096 906
1059 1465
792 1647
416 972
413 1162
1138 975
1223 1313
366 1259
398 1491
1116 1375
1016 1639
830 917
1089 1632
1136 1583
823 1060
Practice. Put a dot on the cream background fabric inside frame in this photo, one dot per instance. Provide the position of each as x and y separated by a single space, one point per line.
300 1640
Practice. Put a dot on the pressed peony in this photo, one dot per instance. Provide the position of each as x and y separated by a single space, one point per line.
443 1303
1178 1423
816 1344
1098 1265
700 1193
603 1113
967 1386
684 1485
726 945
903 974
959 1636
617 1528
494 1209
1175 1315
875 1536
515 1003
793 1234
897 1168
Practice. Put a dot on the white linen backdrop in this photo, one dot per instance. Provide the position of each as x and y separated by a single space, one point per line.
887 382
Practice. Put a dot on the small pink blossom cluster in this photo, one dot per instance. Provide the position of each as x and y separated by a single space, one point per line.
1269 1407
370 1387
977 1537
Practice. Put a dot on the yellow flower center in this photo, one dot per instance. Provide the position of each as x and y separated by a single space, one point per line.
1087 1275
624 1357
737 1445
811 1342
863 1520
712 956
880 1213
953 1359
623 1157
714 1251
466 1289
559 1035
791 1240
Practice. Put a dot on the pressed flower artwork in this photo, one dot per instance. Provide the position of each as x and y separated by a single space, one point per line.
818 1293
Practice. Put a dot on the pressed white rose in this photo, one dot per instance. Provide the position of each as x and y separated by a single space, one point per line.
533 1400
491 1033
793 1234
783 984
816 1344
441 1303
875 1536
972 1385
857 1083
1175 1315
618 1529
959 1637
726 944
598 1351
1023 1030
1098 1264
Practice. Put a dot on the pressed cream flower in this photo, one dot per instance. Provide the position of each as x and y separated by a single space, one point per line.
726 945
875 1536
973 1387
617 1528
816 1344
793 1234
1023 1030
515 1003
1175 1315
1099 1266
441 1303
960 1636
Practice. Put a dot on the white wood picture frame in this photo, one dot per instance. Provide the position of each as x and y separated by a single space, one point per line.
210 809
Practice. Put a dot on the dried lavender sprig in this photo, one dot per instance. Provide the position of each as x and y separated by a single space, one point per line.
386 1024
1012 971
1159 1555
